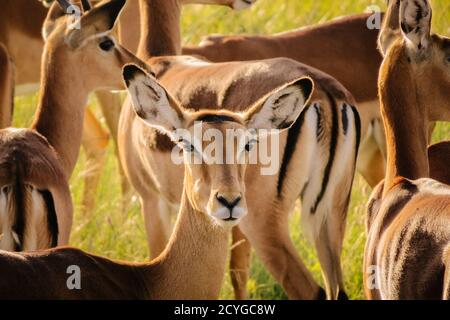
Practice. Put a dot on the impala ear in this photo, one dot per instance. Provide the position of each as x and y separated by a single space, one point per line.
151 101
56 11
390 30
415 21
96 21
280 108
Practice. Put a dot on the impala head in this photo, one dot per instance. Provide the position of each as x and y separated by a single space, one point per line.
79 41
215 187
416 54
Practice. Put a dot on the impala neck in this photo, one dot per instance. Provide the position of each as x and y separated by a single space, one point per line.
193 264
60 112
160 28
405 120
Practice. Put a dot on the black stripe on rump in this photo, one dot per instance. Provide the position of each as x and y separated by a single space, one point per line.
52 220
333 143
293 134
20 206
358 130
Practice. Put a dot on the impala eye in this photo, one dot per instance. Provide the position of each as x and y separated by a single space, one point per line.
249 145
187 146
106 45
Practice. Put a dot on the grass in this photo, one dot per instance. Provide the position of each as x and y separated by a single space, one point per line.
116 234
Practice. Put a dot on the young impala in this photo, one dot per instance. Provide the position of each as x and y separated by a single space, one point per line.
36 163
316 156
407 255
213 200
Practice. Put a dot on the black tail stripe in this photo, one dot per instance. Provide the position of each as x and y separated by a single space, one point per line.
293 134
332 153
52 220
358 130
19 215
344 118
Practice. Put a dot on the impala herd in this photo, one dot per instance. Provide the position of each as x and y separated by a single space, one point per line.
330 100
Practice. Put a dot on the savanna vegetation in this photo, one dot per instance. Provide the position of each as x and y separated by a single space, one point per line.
120 234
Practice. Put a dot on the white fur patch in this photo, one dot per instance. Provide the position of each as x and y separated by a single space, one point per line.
243 4
427 185
192 61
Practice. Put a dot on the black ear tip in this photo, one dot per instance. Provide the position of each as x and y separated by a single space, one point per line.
119 3
129 72
307 86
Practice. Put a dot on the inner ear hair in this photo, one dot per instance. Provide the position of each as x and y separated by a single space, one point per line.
415 22
281 108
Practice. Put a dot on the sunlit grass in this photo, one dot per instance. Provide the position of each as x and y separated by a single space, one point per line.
117 234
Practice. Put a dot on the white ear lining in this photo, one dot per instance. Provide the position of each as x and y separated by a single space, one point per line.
152 105
415 21
280 110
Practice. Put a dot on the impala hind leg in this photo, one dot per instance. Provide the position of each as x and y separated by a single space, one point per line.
329 247
325 204
6 88
111 105
157 223
325 228
371 159
269 235
239 263
95 143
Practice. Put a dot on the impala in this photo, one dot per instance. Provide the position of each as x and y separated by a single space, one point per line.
408 216
345 48
193 264
36 163
317 155
20 27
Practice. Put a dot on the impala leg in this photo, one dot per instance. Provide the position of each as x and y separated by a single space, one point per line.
329 247
240 263
371 162
6 88
157 223
269 235
111 104
95 143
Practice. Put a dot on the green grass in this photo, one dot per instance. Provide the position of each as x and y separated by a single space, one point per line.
111 232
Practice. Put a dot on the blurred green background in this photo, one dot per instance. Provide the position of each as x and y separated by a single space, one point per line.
115 233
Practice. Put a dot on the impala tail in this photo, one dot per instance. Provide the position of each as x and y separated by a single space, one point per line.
27 214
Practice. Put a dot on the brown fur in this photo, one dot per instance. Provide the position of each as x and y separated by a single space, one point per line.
60 114
27 156
333 47
439 159
408 220
407 241
234 86
339 39
191 267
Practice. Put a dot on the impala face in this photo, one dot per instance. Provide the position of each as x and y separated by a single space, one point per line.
215 188
83 43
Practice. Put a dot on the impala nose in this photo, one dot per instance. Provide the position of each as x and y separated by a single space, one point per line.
230 201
